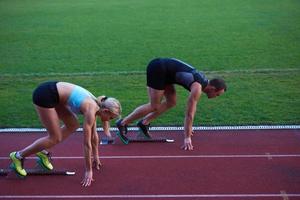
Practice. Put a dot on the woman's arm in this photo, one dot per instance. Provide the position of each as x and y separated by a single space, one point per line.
95 145
89 120
106 127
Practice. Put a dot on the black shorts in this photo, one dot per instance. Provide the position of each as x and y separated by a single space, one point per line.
156 75
46 95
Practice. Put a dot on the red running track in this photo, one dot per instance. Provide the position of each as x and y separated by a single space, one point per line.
254 164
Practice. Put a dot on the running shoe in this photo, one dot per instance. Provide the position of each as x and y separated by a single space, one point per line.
144 129
44 160
17 164
122 130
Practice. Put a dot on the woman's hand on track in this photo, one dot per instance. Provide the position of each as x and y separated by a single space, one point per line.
97 164
88 178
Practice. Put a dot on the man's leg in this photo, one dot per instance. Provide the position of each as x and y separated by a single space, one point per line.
169 102
155 97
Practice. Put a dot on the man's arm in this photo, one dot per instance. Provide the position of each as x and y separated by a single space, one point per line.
190 113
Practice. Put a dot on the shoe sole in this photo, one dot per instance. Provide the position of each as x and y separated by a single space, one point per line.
13 167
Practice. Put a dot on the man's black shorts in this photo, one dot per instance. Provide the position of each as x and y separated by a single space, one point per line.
156 75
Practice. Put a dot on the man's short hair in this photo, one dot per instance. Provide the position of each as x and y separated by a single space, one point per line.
218 83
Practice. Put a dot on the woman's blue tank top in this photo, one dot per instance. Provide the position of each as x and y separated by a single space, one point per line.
77 96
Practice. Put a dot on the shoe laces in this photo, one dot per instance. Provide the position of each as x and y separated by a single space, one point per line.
122 128
49 155
22 162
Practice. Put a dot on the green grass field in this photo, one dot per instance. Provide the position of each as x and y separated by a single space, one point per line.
106 45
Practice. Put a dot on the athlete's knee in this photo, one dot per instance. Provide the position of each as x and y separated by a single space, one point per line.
55 139
73 126
154 107
171 103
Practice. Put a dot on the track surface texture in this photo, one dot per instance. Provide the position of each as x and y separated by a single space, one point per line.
247 164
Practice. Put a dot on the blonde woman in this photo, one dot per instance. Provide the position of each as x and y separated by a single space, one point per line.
62 101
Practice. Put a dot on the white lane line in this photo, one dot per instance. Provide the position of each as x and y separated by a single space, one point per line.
177 156
269 156
284 195
139 72
146 196
170 128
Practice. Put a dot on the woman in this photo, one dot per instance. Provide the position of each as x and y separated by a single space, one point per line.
162 75
55 101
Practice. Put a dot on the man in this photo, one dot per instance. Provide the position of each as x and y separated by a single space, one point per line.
162 74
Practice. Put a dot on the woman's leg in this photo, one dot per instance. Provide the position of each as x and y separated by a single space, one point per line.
50 120
70 121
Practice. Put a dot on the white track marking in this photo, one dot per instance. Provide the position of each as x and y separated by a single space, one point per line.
147 196
176 156
168 128
284 195
97 73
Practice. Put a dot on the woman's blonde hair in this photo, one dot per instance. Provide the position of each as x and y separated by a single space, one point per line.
110 103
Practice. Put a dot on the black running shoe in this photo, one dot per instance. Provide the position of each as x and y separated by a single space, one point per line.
144 129
122 131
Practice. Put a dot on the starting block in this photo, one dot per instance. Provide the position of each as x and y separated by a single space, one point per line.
139 139
156 140
38 170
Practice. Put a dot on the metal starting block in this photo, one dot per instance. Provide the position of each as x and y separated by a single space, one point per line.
156 140
38 170
140 138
